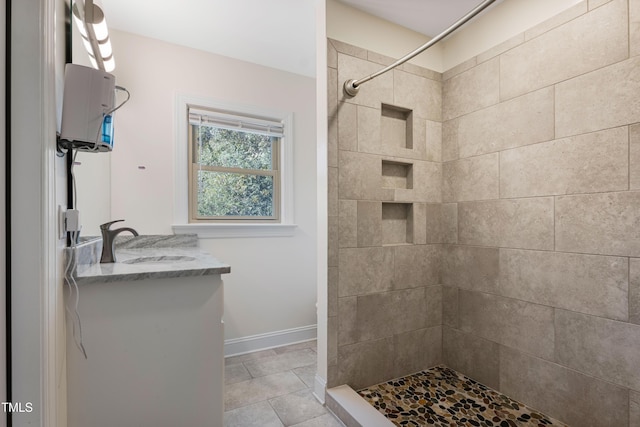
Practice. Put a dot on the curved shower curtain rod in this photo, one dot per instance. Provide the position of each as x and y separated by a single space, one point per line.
351 87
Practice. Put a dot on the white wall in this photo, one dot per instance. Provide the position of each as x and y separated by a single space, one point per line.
272 285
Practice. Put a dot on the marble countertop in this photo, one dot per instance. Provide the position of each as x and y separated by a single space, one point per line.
146 257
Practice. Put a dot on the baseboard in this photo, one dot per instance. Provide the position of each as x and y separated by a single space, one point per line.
319 388
236 346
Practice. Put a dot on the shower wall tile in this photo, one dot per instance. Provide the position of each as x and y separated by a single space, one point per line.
332 244
433 141
603 348
471 90
417 350
605 224
332 187
348 49
359 176
369 223
634 157
471 267
450 222
634 409
433 295
332 291
416 265
588 284
376 91
347 326
518 223
332 338
615 90
365 270
507 321
378 58
364 364
476 357
450 306
460 68
634 290
421 71
347 127
417 224
597 3
332 92
348 224
589 42
501 48
433 223
450 149
427 182
553 389
590 163
332 142
369 130
422 96
474 178
555 21
634 28
332 55
520 121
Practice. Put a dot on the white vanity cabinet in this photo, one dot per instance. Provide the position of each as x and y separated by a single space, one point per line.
155 354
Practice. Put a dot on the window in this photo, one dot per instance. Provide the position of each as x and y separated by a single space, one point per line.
234 167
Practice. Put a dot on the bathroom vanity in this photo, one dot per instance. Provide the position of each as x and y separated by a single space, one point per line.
153 333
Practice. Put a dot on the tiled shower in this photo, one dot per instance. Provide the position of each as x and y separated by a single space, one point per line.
488 218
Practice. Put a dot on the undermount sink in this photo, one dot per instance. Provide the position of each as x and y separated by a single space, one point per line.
159 259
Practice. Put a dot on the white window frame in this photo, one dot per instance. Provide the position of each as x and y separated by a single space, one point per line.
286 226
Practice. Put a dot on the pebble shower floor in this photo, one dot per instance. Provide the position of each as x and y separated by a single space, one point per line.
443 397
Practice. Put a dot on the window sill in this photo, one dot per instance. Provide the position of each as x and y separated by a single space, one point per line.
223 231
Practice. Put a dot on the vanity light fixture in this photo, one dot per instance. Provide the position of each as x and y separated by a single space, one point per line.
89 17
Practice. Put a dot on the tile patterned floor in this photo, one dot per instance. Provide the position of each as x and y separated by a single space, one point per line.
443 397
273 388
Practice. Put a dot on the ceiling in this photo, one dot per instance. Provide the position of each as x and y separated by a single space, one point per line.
275 33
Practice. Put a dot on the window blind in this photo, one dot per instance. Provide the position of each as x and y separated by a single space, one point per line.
233 122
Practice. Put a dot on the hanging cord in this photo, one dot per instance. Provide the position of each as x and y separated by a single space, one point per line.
104 115
73 287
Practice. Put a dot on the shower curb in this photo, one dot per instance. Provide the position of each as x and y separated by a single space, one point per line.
352 409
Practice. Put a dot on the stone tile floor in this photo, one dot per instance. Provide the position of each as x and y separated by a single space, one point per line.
443 397
273 388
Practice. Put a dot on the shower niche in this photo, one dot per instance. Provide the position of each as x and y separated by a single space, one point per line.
396 127
397 175
397 223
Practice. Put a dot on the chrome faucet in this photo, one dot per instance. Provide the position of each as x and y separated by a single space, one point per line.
108 240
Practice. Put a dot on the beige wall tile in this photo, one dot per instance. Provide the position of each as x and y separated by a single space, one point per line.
460 68
603 348
369 130
332 142
396 228
450 149
416 265
605 224
471 90
450 306
450 222
520 121
634 28
348 49
634 157
614 87
347 127
433 141
474 178
422 95
634 291
359 176
420 71
597 3
415 351
556 21
470 267
594 162
634 409
369 223
519 223
589 284
332 55
427 184
364 270
347 224
332 244
364 364
472 356
332 291
347 321
507 321
433 295
332 183
376 91
501 48
560 392
332 338
332 92
433 216
417 223
589 42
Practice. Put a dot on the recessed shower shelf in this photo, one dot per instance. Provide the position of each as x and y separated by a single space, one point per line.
396 126
397 175
397 223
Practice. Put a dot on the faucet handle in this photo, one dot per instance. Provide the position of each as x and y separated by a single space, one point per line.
106 225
